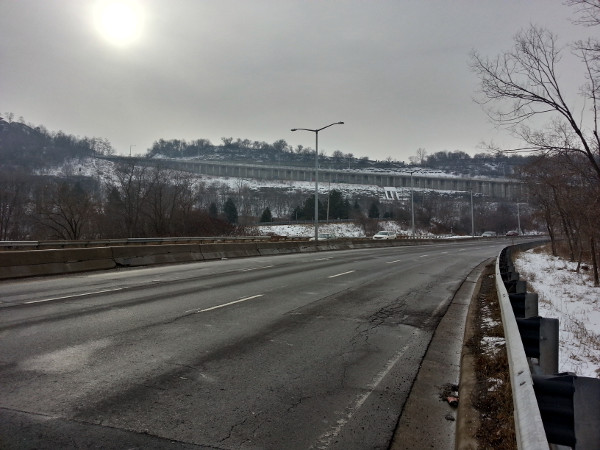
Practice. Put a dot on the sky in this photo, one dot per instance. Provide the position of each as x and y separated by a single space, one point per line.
396 72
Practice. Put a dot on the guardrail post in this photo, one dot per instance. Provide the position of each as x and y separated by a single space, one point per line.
516 286
586 402
524 305
509 276
570 409
555 399
549 329
540 340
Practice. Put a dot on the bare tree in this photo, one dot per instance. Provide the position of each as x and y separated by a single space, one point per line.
127 198
168 202
588 10
565 190
13 199
523 83
67 211
421 156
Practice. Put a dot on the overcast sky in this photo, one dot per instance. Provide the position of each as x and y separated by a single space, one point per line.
395 71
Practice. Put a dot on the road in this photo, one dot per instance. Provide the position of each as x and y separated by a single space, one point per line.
315 350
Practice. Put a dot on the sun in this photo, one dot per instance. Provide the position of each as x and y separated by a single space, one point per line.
119 22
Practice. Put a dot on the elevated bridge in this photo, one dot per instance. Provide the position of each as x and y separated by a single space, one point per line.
500 188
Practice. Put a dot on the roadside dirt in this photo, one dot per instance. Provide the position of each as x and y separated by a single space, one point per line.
490 397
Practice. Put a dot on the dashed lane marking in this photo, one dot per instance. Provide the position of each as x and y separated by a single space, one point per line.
245 299
255 268
340 274
66 297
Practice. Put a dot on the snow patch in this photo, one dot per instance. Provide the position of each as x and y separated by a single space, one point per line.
572 298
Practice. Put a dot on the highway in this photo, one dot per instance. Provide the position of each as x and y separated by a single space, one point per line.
312 350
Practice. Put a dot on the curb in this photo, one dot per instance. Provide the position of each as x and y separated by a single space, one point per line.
426 421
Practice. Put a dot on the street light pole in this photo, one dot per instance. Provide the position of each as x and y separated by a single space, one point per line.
316 131
412 203
472 217
519 218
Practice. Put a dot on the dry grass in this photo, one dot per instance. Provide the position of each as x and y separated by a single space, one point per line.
492 397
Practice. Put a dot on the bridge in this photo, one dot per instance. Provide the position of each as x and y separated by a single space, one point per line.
498 188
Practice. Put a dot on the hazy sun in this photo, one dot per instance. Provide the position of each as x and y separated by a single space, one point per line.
119 22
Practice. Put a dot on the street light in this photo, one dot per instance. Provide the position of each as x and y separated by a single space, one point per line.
472 216
316 131
519 218
412 203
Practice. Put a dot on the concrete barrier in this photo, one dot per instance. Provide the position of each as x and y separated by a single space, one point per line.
144 255
307 247
277 248
220 251
19 264
362 243
27 263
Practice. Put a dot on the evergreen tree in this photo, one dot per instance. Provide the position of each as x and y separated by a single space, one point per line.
266 216
230 211
308 210
374 211
338 207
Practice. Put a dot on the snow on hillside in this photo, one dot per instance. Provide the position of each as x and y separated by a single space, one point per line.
347 230
572 298
85 167
104 171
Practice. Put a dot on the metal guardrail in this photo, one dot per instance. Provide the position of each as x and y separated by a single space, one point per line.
4 245
57 244
529 427
568 405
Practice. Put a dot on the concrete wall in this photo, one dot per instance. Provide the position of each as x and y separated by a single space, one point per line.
31 263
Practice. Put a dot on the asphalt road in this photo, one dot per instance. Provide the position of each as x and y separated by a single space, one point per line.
313 350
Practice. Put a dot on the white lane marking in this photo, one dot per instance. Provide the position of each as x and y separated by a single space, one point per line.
245 299
340 274
423 256
326 438
324 259
395 261
72 296
255 268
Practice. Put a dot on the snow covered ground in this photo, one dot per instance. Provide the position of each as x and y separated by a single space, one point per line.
572 298
347 230
104 171
308 230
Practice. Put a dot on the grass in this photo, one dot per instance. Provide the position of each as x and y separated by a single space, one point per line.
492 397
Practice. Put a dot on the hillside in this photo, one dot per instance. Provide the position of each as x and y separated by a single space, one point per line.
54 186
30 148
281 153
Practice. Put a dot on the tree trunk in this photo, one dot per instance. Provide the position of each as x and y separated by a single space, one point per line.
552 238
594 261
